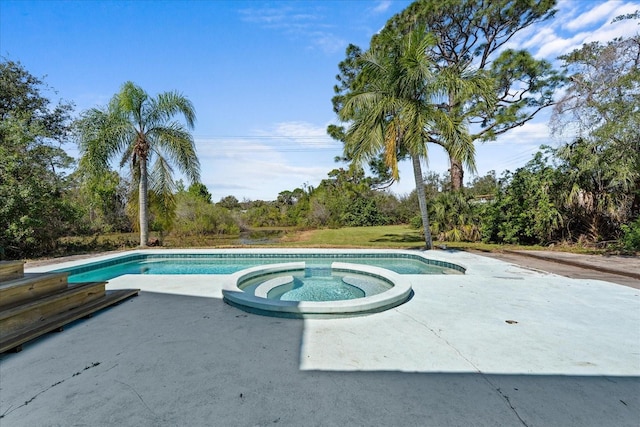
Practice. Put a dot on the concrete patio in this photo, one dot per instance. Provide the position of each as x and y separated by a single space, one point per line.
503 345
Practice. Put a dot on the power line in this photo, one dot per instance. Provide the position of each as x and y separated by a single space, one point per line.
290 138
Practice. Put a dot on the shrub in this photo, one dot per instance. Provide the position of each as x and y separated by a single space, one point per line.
631 236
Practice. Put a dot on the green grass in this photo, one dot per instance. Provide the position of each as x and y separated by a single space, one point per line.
403 237
383 237
393 236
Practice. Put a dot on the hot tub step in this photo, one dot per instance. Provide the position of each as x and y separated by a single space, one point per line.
262 291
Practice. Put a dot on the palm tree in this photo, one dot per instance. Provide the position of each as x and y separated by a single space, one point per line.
396 109
141 129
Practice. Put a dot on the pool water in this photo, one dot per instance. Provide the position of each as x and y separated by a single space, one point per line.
165 266
229 265
319 284
318 289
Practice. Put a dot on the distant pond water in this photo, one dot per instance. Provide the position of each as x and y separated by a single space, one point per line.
259 237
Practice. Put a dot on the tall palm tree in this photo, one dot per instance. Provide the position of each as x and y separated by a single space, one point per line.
141 129
396 109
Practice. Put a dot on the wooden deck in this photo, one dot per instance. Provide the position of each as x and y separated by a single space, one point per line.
33 304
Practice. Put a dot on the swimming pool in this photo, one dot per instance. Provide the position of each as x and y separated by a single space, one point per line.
229 263
222 273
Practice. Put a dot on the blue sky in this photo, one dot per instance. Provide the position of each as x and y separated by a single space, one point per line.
260 74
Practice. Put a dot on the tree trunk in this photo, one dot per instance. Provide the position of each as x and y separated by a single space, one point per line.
457 174
142 204
422 200
456 171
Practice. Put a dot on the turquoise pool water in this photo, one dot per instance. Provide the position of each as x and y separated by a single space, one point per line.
305 287
213 264
317 284
319 289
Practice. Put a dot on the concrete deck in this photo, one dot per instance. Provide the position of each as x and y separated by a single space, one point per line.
503 345
623 270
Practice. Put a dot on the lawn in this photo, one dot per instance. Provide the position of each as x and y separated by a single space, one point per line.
383 237
391 236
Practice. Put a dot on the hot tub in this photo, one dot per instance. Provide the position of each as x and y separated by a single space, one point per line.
290 290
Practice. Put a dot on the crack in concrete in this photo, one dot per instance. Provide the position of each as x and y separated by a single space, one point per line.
35 396
503 396
155 416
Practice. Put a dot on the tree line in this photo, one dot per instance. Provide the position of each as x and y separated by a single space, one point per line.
438 73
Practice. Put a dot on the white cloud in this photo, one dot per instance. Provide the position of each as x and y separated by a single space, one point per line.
553 45
609 31
328 42
259 166
537 38
253 177
301 133
382 6
557 36
606 31
531 133
596 15
516 147
292 21
267 16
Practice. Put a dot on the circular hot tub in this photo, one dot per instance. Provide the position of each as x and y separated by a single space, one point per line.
291 290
